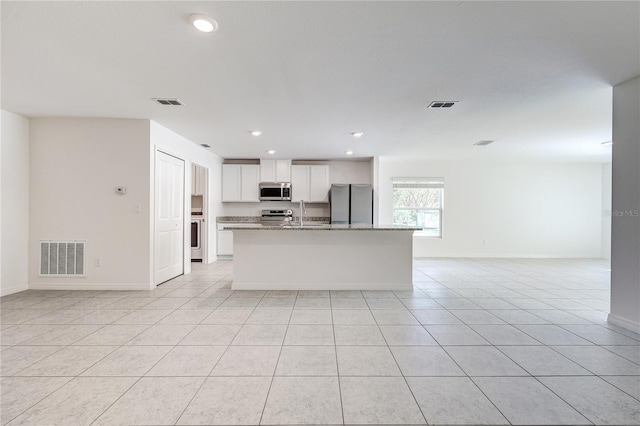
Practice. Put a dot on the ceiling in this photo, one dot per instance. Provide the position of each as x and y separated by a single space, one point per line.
536 77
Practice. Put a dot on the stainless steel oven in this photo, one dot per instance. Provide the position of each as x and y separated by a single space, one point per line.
196 239
275 191
276 217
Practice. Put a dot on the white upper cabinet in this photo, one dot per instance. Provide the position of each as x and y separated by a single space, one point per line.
250 182
267 170
275 170
240 182
310 183
300 183
231 185
283 170
198 180
319 185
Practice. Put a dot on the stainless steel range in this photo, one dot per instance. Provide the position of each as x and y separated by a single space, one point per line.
276 217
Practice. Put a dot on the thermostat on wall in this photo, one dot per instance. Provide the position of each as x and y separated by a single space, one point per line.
121 190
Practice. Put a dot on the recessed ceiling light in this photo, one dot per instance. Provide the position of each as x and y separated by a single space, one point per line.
483 143
357 134
256 132
203 23
205 145
349 152
271 152
607 143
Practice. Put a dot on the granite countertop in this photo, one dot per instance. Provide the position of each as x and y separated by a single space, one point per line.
238 219
258 219
316 226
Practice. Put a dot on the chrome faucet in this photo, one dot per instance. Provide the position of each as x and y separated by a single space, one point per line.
302 211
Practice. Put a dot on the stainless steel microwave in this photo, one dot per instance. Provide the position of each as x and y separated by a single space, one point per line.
275 191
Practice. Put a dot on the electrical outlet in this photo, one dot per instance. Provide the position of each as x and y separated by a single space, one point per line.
98 262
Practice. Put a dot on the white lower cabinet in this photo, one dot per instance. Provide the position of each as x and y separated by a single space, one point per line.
225 242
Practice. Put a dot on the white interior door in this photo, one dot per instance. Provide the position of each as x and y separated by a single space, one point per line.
169 217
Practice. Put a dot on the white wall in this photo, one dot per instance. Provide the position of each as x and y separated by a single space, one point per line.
75 165
507 210
625 231
172 143
345 171
606 210
375 176
340 171
14 199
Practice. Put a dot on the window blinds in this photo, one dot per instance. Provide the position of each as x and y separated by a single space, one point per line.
433 183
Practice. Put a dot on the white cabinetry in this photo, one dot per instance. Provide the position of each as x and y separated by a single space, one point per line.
231 175
283 170
319 185
299 183
198 180
275 170
225 242
240 182
250 181
310 183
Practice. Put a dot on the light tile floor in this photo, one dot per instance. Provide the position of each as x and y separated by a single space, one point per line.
500 341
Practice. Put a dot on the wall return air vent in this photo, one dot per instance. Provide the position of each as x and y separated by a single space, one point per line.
442 104
62 259
168 101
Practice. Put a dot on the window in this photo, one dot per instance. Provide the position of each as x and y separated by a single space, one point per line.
419 202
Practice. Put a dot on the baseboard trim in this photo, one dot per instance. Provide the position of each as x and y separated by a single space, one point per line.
321 286
624 323
502 256
14 289
89 286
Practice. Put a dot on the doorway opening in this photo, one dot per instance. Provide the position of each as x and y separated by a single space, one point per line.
199 191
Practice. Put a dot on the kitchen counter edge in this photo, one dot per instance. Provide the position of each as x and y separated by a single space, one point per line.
317 227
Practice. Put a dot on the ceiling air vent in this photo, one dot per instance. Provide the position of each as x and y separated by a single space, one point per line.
483 143
205 145
442 104
168 101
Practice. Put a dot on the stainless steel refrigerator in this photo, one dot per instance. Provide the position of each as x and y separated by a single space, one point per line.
351 204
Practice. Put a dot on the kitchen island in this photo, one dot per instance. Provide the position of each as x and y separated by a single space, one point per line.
322 257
